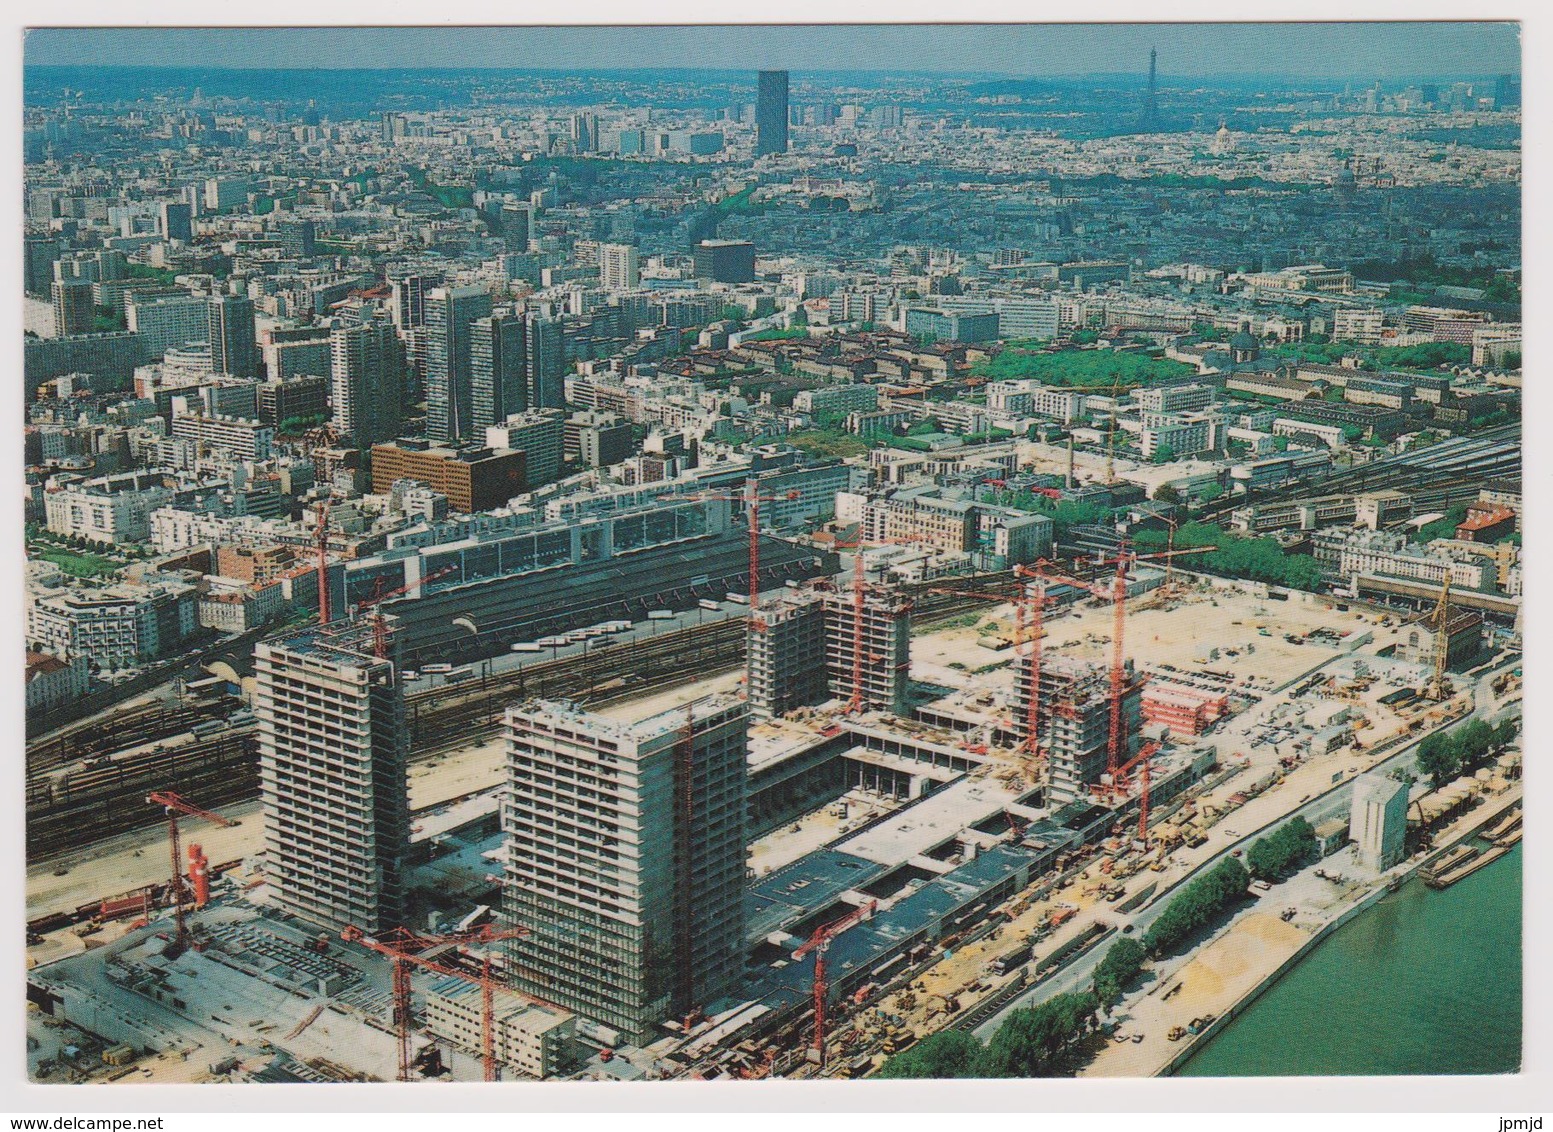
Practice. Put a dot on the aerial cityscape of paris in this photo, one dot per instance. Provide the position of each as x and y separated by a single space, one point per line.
787 553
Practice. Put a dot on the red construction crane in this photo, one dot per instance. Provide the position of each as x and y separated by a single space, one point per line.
175 805
405 949
685 811
1117 747
859 603
380 595
321 537
819 943
1119 783
752 502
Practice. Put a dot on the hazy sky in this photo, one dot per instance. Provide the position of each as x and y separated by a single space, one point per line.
1372 50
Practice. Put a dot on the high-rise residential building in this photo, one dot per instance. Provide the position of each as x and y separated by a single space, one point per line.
540 434
546 361
165 322
39 257
626 859
407 298
517 226
332 756
233 346
1507 92
619 267
804 653
585 132
771 113
175 221
298 237
498 370
73 308
292 398
725 261
366 380
450 313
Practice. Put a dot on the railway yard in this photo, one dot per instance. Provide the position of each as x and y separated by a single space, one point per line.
1285 667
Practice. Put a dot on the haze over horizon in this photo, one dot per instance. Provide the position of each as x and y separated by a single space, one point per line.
1315 50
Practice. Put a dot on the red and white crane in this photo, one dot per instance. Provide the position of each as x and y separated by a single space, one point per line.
752 499
380 595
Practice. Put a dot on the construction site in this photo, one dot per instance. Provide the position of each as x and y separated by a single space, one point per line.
880 825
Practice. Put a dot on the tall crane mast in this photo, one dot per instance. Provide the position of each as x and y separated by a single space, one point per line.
819 943
1119 783
380 595
752 499
174 805
321 536
406 949
859 606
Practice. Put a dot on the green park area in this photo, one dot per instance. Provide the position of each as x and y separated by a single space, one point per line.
1083 369
77 563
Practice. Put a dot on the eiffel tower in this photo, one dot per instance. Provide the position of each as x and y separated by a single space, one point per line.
1148 117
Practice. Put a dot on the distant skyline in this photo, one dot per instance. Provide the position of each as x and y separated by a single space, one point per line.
1360 51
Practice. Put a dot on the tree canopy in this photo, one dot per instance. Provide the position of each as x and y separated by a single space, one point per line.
1120 965
1199 903
948 1053
1096 369
1274 856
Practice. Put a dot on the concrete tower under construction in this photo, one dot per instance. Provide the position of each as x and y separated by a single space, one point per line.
1074 720
626 859
803 654
332 753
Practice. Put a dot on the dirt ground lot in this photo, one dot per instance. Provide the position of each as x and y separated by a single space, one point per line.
1210 984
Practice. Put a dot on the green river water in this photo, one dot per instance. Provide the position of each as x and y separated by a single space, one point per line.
1424 982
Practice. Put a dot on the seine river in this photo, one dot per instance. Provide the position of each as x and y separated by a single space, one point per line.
1423 983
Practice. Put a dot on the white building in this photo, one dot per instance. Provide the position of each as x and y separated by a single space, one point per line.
1175 398
1183 433
1360 325
626 859
619 267
166 322
332 752
530 1038
541 434
117 627
837 399
1378 824
240 439
115 509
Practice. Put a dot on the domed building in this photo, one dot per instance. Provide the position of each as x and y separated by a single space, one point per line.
1244 348
1346 184
1223 141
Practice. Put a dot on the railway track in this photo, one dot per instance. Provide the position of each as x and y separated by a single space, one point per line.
109 798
